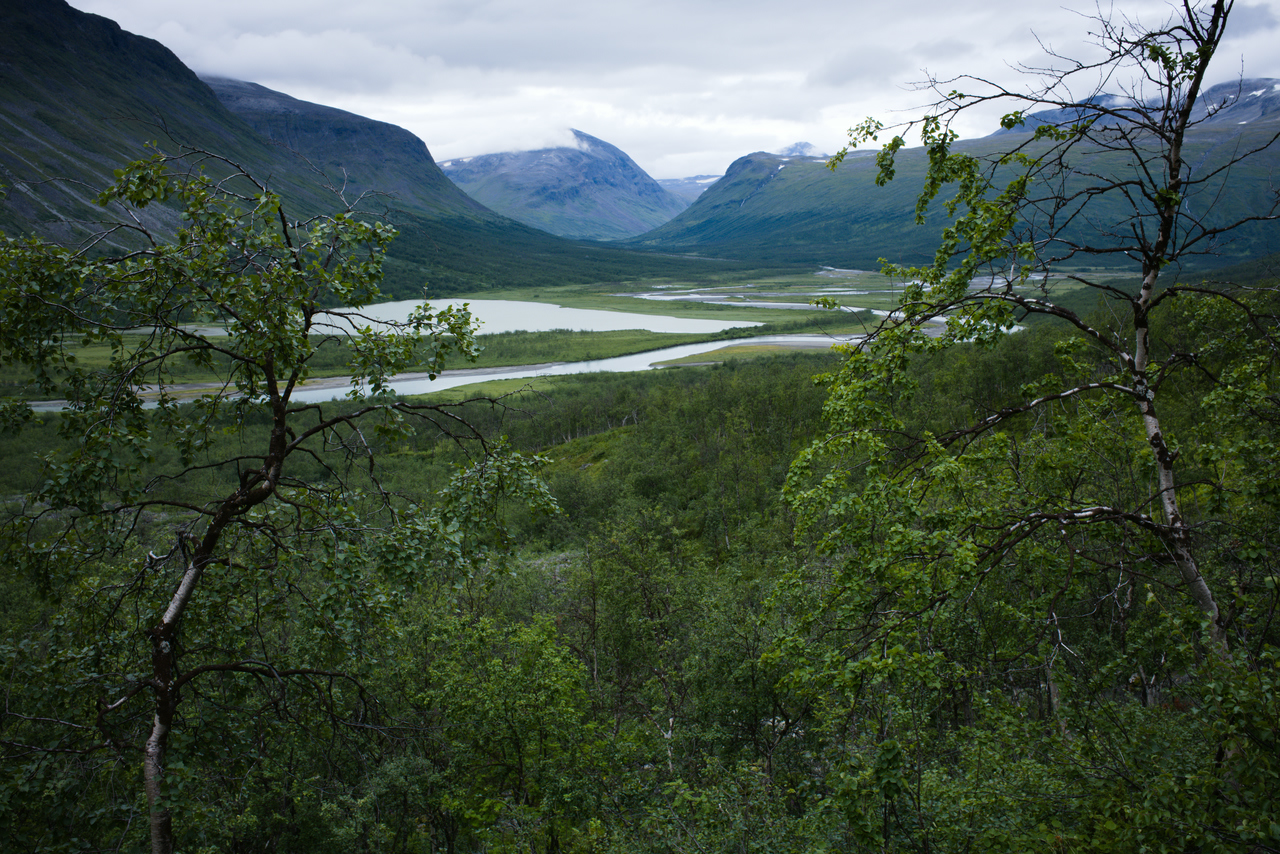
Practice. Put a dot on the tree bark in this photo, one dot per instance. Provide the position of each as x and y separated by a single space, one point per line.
153 762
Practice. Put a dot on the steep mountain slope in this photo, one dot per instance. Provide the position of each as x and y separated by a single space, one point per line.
692 187
591 191
773 209
79 97
371 156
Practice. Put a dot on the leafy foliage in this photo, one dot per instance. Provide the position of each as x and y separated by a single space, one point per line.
186 552
1023 586
950 610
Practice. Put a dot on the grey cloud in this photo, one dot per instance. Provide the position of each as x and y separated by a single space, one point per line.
675 83
1249 19
861 64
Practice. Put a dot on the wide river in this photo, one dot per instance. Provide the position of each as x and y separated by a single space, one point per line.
510 316
326 389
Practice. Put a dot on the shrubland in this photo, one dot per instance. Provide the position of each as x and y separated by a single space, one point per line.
653 668
1001 576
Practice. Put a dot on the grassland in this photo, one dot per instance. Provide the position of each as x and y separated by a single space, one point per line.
729 297
876 292
737 297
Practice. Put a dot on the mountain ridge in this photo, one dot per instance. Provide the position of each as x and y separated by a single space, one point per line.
593 190
377 156
1238 102
773 209
81 97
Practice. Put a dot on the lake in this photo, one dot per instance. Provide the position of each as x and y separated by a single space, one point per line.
511 316
499 315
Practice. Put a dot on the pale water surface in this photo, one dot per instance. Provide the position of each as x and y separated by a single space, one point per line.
500 315
510 316
420 384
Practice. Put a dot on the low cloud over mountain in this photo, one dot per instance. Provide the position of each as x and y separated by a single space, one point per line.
590 190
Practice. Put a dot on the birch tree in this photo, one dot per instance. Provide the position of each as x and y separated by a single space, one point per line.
1103 167
229 534
1052 544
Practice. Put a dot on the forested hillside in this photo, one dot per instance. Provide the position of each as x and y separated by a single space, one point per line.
645 675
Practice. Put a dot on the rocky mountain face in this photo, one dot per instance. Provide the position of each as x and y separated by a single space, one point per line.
590 191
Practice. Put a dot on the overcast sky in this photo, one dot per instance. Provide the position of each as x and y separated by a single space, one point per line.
683 86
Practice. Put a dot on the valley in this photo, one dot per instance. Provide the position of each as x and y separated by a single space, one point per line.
915 499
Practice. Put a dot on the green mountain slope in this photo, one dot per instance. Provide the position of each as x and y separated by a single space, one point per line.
370 156
79 97
592 191
773 209
777 209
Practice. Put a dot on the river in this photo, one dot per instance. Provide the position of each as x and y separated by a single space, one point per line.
327 389
509 316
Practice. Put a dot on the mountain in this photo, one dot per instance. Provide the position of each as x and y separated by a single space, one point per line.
776 209
79 97
372 156
689 188
1241 102
589 191
770 208
1236 103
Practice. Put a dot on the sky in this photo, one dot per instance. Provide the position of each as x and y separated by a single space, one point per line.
684 87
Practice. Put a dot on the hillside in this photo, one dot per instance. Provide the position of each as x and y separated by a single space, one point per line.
373 156
778 209
590 191
769 208
79 97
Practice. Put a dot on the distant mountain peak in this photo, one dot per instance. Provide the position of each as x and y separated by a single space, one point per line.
586 188
689 188
586 141
1239 102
